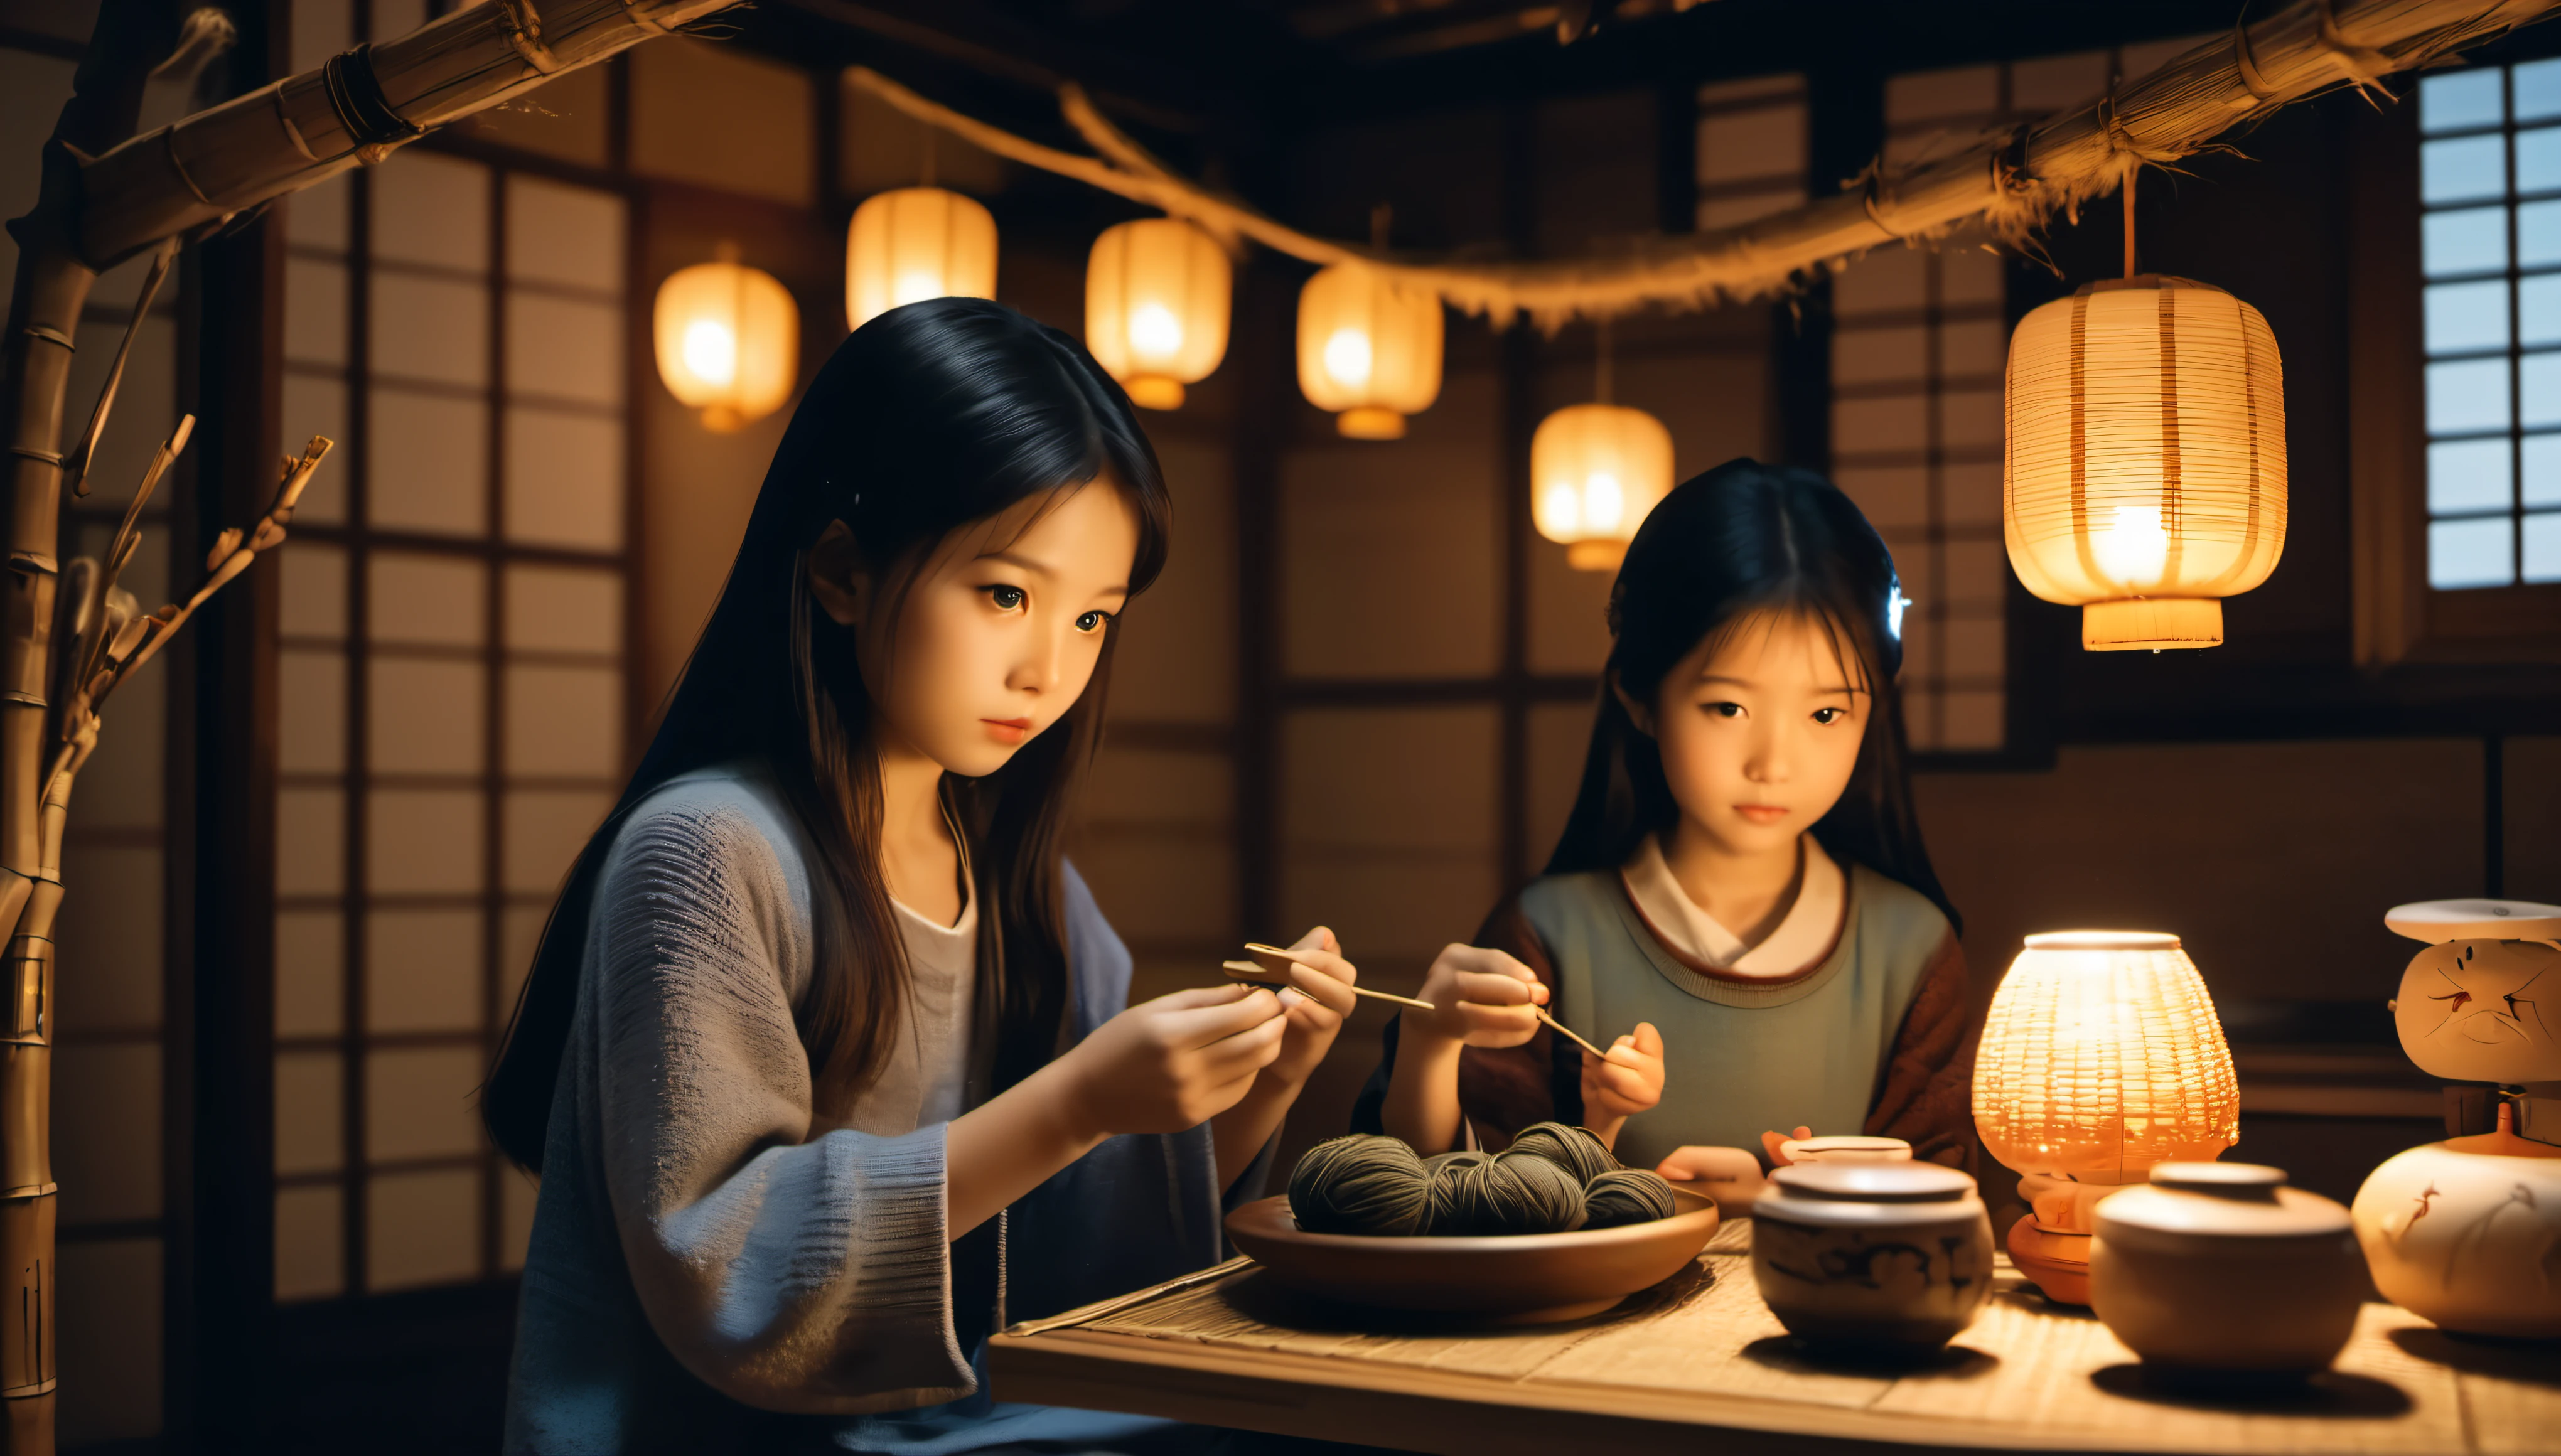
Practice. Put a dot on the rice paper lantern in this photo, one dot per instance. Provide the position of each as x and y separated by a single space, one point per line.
1594 470
2145 474
1369 350
727 341
913 244
1156 307
2102 1056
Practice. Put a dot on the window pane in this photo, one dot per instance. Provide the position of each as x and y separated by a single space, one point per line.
2462 99
2469 554
2543 546
1973 720
567 348
423 842
564 609
545 830
432 208
2538 159
434 600
2473 240
430 459
1888 495
2538 310
310 973
2463 170
315 312
2468 397
317 217
318 406
310 1131
310 1243
429 329
564 721
1388 820
2538 234
310 840
563 479
2466 319
425 715
311 688
2542 482
314 587
559 234
2539 391
418 1101
2467 476
422 1228
422 971
2537 88
1769 141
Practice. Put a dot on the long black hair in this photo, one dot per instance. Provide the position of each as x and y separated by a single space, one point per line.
928 419
1743 539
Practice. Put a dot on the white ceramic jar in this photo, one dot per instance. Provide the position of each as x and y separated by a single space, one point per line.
1891 1256
2218 1271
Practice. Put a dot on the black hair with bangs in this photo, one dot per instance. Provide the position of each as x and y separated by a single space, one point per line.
1738 540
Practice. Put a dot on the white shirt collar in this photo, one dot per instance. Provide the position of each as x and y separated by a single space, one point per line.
1803 937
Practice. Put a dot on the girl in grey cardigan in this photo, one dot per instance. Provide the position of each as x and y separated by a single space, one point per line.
823 1061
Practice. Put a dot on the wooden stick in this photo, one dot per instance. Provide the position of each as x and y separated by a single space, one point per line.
1568 1033
1245 970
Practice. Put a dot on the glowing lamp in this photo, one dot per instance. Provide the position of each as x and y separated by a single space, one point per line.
1594 470
728 341
915 244
1369 350
1155 309
2147 462
2100 1056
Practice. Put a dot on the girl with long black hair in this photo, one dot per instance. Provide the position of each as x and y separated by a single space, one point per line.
823 1061
1741 880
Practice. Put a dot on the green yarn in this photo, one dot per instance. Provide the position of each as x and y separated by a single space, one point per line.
1577 1150
1360 1183
1553 1179
1626 1196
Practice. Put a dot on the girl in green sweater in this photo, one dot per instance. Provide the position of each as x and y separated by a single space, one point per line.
1740 906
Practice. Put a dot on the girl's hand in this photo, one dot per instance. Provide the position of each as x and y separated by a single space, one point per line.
1480 998
1769 1142
1730 1176
1322 981
1628 1082
1173 1063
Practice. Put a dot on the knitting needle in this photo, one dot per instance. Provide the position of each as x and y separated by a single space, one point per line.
1568 1033
1245 970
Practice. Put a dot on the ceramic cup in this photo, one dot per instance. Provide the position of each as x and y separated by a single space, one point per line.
1846 1150
2218 1273
1891 1257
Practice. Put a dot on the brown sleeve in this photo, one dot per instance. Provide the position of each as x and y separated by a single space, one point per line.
1925 1098
1503 1091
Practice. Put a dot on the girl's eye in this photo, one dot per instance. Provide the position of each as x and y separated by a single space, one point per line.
1831 715
1007 598
1725 709
1091 621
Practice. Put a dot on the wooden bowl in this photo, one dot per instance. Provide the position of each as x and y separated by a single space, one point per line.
1525 1278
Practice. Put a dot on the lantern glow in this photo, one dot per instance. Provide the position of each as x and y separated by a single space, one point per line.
727 341
2145 474
1595 470
913 244
1369 350
1156 307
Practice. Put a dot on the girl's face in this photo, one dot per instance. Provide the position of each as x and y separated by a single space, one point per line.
1759 729
999 629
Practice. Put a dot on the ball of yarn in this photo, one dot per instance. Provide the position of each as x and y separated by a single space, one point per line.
1477 1194
1577 1150
1626 1196
1363 1184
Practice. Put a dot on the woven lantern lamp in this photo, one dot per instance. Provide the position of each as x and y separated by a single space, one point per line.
2145 474
727 341
2100 1056
1594 471
1156 307
1369 350
912 243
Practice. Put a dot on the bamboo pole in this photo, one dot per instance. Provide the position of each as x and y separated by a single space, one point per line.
2010 183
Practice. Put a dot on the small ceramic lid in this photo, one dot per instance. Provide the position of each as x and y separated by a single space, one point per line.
1873 1183
2245 1199
1847 1148
2436 921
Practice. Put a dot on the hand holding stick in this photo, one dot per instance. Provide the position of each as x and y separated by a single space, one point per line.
1272 965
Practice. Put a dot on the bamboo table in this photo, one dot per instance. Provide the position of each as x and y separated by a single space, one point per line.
1701 1365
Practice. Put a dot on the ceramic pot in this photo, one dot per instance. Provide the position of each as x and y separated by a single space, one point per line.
1889 1256
2219 1272
1846 1150
2470 1240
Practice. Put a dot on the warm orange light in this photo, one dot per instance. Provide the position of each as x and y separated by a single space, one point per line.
1156 307
2146 461
1594 470
915 244
1369 350
727 341
2100 1056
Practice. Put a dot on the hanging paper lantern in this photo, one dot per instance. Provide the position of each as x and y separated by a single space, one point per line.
1156 307
2147 462
1369 350
1594 470
915 244
728 341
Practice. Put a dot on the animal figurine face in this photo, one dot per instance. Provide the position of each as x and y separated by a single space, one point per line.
2484 1011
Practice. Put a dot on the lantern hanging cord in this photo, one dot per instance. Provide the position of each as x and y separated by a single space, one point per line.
2005 186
